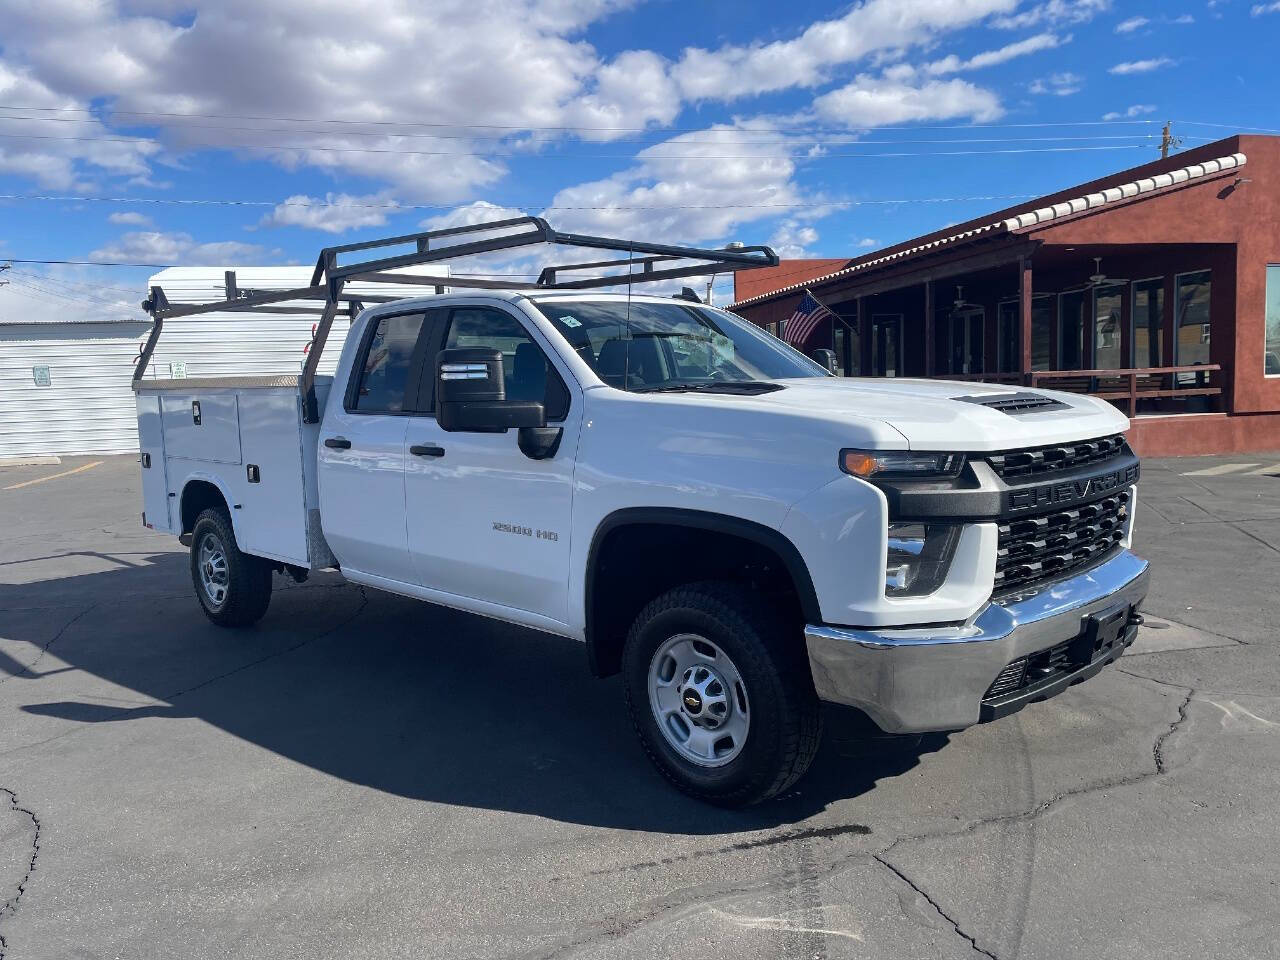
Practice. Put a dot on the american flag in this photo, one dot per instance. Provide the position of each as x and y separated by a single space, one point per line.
808 317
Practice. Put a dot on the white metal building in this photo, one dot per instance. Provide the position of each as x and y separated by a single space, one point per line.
65 386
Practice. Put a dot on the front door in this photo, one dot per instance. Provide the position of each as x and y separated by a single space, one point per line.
886 345
486 522
362 449
967 340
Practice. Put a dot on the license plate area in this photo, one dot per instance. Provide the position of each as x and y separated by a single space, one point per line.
1102 633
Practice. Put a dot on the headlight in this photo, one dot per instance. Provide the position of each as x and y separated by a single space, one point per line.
899 464
918 558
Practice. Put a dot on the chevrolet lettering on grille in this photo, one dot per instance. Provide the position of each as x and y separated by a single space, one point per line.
1069 491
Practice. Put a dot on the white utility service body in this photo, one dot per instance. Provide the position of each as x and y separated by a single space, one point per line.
933 553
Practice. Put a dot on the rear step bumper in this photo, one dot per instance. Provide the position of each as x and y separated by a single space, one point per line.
1036 643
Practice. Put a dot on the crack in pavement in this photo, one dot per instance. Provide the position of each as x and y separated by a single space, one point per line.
955 925
10 906
52 640
1160 767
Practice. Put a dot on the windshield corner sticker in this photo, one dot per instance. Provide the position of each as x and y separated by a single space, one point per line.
571 322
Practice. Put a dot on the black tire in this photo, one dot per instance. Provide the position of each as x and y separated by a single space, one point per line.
246 591
768 653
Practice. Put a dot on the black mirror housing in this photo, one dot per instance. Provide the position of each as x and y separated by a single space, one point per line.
471 394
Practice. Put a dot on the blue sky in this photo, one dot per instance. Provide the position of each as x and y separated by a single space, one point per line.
823 129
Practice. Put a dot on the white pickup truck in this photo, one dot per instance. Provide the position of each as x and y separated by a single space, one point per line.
738 532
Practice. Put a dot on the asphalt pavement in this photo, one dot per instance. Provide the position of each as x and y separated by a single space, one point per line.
366 776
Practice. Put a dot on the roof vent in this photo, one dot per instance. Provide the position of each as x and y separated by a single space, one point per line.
1016 403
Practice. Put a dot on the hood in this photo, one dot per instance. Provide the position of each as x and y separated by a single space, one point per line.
930 415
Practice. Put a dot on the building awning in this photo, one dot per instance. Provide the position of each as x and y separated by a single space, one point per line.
1024 222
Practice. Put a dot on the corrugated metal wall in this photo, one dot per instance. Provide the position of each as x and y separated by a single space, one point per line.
88 405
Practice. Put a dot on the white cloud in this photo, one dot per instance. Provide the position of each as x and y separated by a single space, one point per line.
1187 18
59 164
872 101
866 243
1259 9
130 218
1132 24
876 26
1059 84
155 247
1054 11
989 58
336 213
1140 66
1137 110
792 240
515 64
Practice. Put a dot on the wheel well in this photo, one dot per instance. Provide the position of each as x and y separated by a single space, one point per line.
197 497
634 560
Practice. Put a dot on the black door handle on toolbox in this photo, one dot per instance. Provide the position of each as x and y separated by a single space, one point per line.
426 450
337 443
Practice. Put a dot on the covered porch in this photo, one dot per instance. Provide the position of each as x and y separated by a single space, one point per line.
1146 326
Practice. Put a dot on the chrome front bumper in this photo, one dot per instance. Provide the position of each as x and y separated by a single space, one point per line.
910 680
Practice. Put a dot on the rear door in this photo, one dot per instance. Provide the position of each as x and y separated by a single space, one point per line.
485 521
361 452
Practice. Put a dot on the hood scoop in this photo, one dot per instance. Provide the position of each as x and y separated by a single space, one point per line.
1015 403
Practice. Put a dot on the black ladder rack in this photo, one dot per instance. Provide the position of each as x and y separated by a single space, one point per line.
656 261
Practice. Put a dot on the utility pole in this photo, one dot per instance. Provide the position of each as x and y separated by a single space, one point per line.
1168 141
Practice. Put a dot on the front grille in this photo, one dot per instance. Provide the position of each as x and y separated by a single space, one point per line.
1048 545
1037 461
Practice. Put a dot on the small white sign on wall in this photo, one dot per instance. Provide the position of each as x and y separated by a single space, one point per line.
40 374
178 370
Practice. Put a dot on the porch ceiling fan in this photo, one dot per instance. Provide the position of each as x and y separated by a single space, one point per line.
959 304
1098 278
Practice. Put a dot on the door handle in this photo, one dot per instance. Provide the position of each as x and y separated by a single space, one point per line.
426 450
337 443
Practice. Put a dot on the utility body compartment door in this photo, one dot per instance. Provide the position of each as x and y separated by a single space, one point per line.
155 487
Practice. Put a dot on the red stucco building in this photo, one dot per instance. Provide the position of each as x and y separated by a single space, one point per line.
1157 288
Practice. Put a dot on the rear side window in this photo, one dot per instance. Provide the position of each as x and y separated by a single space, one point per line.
525 370
388 360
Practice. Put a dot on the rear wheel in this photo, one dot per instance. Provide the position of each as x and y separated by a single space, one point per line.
234 588
720 694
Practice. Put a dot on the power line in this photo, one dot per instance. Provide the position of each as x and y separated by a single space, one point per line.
312 148
393 206
530 127
743 136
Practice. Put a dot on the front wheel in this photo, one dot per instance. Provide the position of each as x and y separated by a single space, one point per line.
720 694
233 588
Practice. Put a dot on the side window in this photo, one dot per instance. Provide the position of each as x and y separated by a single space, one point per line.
388 361
525 369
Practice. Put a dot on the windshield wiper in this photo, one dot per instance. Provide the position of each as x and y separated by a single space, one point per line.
748 387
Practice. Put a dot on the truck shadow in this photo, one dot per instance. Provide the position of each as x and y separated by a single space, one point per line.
396 695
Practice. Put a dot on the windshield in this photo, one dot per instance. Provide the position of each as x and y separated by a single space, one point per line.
646 346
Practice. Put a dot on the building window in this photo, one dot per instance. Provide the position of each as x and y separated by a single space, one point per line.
1192 327
1271 358
1071 332
1107 303
1009 325
1148 323
1042 308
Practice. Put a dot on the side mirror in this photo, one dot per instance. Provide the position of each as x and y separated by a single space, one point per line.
471 394
826 358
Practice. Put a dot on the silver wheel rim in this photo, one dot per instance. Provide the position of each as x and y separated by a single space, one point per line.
212 560
699 700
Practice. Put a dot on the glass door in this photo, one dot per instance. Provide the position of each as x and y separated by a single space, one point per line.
1008 357
1071 331
1106 327
966 340
886 345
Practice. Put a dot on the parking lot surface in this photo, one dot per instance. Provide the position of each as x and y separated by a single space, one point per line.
367 776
